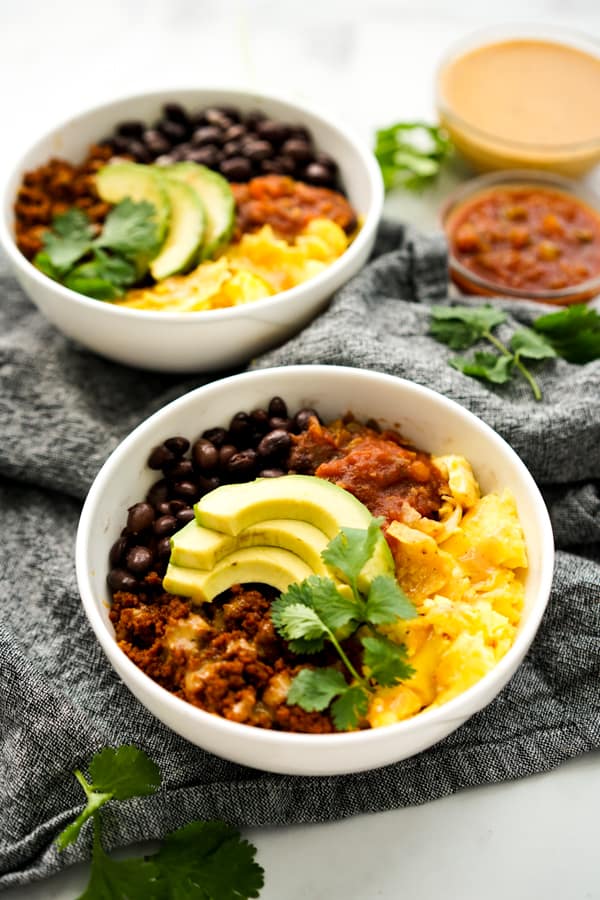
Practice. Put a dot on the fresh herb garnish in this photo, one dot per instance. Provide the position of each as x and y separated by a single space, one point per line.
410 154
100 265
203 860
462 326
317 611
574 332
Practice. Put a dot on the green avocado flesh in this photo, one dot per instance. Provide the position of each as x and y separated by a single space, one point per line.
138 182
217 200
270 531
186 230
263 565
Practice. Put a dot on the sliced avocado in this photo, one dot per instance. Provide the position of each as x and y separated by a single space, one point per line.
217 199
186 230
120 180
263 565
196 547
381 563
233 507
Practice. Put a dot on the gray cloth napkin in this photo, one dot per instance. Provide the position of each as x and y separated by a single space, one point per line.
62 411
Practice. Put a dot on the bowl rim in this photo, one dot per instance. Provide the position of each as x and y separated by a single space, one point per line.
468 190
458 708
500 33
370 218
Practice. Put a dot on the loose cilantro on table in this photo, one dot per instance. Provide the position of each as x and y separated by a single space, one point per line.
573 332
100 265
318 610
201 861
462 326
410 154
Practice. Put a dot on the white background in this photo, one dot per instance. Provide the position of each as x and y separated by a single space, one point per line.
369 62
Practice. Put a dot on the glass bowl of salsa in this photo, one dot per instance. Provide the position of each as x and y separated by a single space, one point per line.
524 234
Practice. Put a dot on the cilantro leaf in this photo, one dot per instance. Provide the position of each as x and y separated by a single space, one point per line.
130 229
124 772
334 608
296 594
349 550
119 774
92 286
488 366
350 708
385 660
574 332
526 343
128 879
461 326
387 602
314 689
208 861
70 239
298 621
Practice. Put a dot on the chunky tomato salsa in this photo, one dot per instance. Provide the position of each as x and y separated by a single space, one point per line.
527 238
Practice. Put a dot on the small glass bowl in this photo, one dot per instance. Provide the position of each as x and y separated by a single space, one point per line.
487 151
472 283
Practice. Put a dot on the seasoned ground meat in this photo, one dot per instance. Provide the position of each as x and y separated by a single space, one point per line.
225 658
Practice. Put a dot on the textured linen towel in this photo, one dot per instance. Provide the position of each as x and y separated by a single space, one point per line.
62 411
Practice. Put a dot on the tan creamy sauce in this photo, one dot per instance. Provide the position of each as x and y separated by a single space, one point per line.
530 91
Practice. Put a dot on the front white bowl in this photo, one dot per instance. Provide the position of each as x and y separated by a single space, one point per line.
204 341
426 418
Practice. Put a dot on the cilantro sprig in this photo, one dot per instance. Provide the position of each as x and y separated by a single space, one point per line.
318 611
201 861
572 333
100 265
462 326
411 154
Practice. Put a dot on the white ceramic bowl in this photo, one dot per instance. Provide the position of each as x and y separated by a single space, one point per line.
203 341
433 423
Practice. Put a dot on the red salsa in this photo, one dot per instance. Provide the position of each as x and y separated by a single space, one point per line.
527 238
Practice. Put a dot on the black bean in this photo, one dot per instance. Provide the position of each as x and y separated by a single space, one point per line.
303 417
275 132
139 559
132 129
120 580
163 509
242 464
278 407
258 150
271 473
176 505
160 456
163 548
225 454
232 148
272 167
165 525
238 168
324 159
208 155
198 119
208 484
235 132
253 117
216 436
275 442
298 150
240 428
117 551
260 419
181 151
181 471
175 112
174 131
205 455
216 116
184 516
301 133
121 144
156 142
186 489
165 159
318 174
208 134
278 422
232 112
177 445
140 152
140 516
158 493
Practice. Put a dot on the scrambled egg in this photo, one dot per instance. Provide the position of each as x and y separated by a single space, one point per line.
465 575
259 265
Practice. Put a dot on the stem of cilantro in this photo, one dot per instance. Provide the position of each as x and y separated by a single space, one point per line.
347 662
515 358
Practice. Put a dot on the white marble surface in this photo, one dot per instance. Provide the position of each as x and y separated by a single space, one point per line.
370 63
